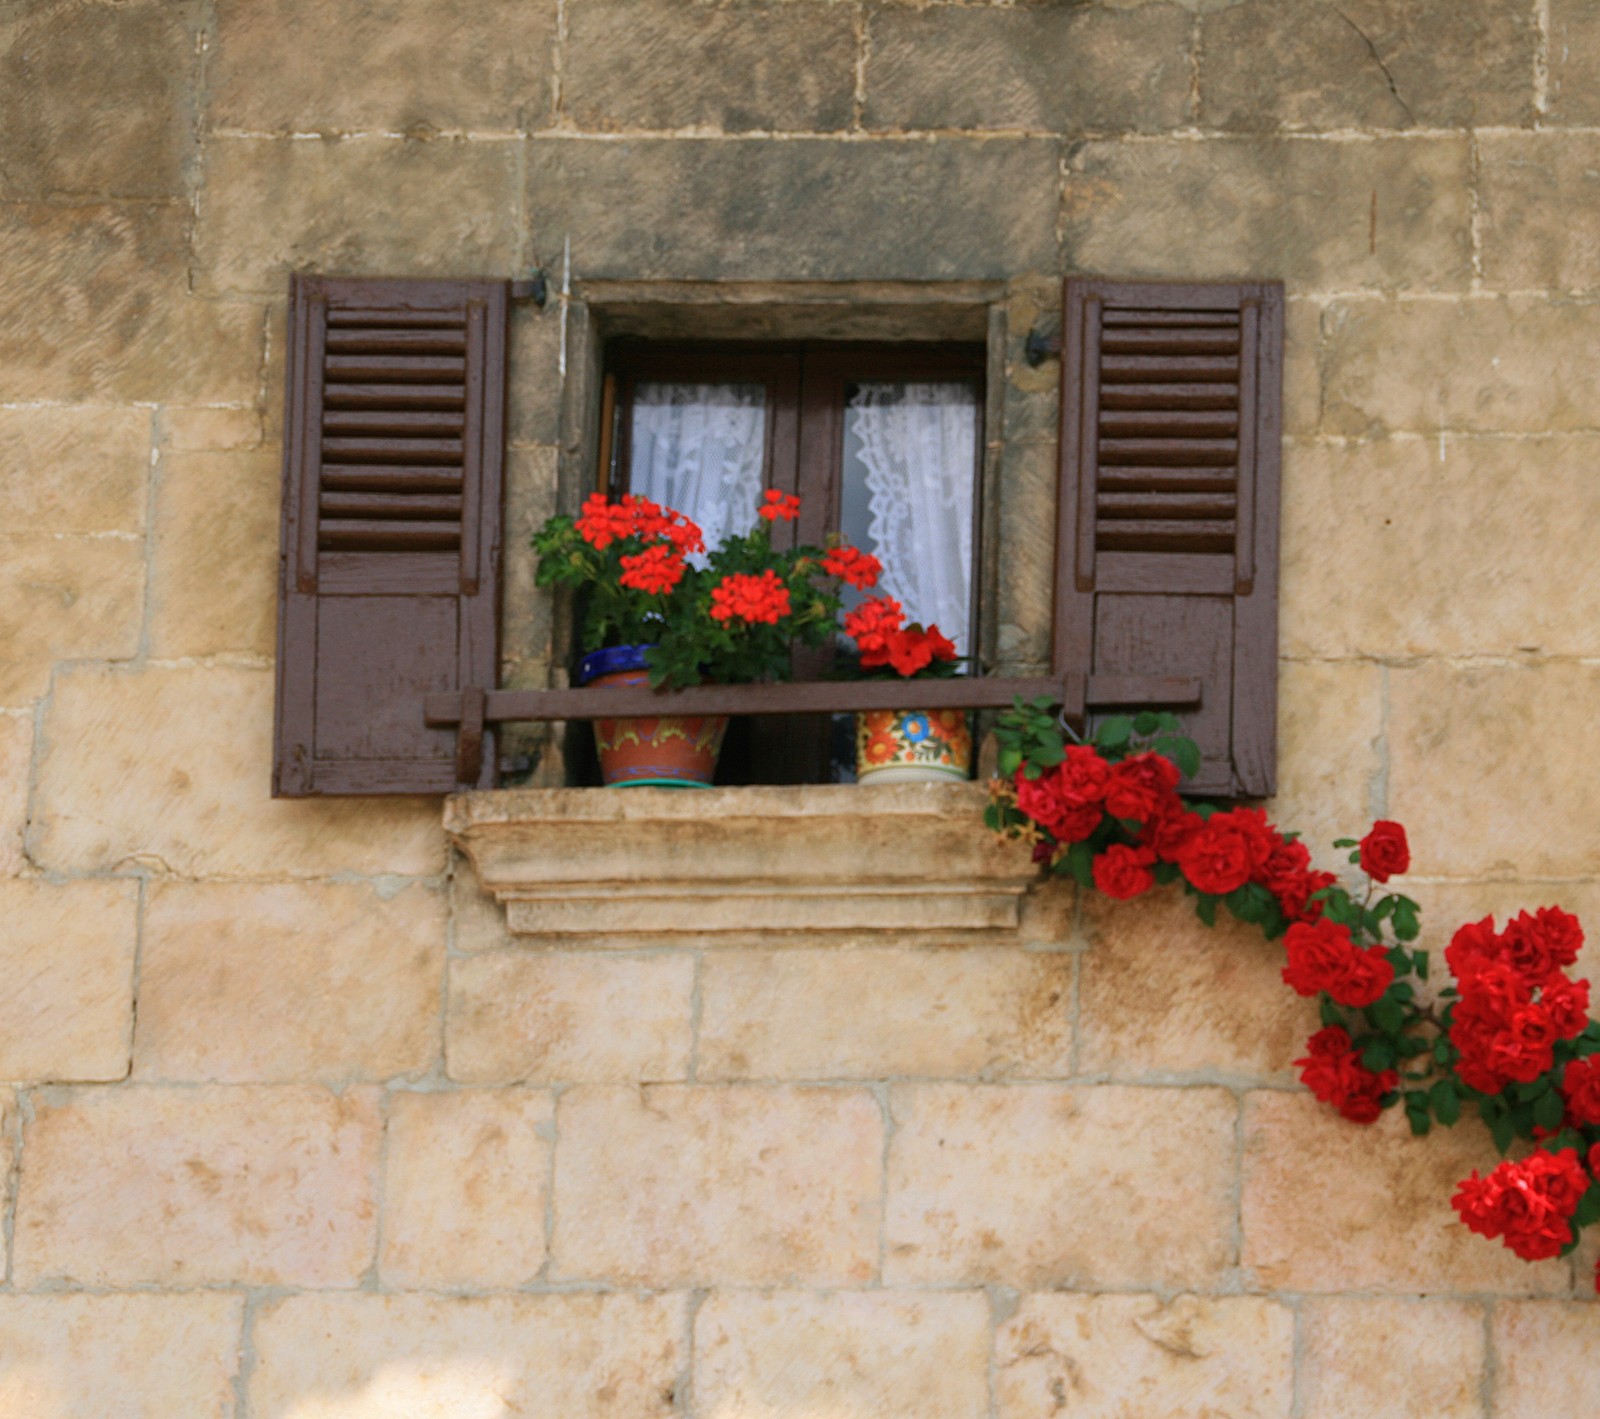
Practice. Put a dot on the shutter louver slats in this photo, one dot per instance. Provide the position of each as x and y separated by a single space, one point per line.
393 452
1170 424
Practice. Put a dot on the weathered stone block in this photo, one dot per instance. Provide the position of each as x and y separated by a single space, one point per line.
1162 994
538 1357
133 1356
94 306
558 1016
196 1187
806 209
1389 213
1544 1359
874 1013
1059 69
66 956
94 98
215 429
675 1185
1372 64
526 624
1330 1205
275 983
1105 1357
16 763
1481 798
465 1188
1489 539
1404 1359
1330 725
1302 365
533 398
73 470
1029 476
1510 364
214 574
1574 60
171 769
1040 1185
359 206
65 598
395 65
774 65
849 1355
477 921
1523 178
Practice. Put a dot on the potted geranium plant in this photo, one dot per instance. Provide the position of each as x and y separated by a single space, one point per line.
906 745
659 611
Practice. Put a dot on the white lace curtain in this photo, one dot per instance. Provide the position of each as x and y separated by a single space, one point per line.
917 444
700 448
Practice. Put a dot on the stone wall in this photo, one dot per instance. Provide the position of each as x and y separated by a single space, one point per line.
296 1131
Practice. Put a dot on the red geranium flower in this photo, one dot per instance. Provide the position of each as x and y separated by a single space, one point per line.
752 599
779 507
654 571
852 566
911 650
871 624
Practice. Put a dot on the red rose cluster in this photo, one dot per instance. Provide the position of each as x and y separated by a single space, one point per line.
1334 1073
1527 1203
1516 999
878 628
1324 958
1217 855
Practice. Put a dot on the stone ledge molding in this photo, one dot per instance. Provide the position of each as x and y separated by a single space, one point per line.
816 860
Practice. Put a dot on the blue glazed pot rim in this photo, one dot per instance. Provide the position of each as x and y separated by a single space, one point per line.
610 660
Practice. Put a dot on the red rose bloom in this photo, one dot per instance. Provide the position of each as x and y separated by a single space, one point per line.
1123 872
1169 835
1528 1203
1323 957
1067 800
1230 849
1144 788
1333 1071
1580 1087
1384 851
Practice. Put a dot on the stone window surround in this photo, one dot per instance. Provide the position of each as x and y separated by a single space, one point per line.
820 862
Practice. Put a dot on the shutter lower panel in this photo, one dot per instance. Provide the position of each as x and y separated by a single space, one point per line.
393 450
1168 536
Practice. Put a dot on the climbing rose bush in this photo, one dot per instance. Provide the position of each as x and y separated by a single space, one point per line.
1507 1035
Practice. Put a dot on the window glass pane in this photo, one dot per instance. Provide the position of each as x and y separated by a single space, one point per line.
910 452
700 448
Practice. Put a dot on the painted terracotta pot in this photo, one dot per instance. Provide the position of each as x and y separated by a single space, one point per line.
912 746
673 751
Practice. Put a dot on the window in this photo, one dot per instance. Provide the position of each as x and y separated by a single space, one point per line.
883 442
1165 547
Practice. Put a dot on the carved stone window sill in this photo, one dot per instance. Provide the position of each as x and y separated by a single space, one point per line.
621 867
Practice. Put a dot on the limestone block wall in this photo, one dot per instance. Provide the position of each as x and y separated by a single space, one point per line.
293 1129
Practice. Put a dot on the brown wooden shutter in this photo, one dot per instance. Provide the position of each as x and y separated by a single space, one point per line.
1167 557
393 447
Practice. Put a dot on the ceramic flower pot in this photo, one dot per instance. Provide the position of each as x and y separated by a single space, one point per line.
912 746
672 751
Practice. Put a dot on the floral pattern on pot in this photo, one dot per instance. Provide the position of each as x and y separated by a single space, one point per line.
912 746
672 751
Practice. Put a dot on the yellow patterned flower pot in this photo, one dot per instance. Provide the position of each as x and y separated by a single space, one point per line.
912 746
